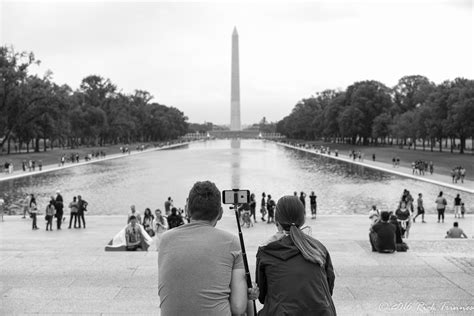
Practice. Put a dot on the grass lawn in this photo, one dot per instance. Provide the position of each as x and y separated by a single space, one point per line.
443 162
52 157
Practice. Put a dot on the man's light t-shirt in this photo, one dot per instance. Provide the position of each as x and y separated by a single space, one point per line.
195 263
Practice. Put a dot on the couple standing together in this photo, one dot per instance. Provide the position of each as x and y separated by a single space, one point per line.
201 269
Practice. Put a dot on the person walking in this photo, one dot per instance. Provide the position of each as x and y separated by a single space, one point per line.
81 209
59 205
50 212
440 206
420 209
457 206
33 211
74 208
294 273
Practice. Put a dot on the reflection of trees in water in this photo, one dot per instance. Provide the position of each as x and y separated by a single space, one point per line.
235 163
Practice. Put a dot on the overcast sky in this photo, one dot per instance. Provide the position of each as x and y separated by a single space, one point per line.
181 52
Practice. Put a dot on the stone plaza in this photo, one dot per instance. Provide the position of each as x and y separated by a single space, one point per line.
68 271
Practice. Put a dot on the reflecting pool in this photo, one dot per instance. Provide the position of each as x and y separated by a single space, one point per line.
148 179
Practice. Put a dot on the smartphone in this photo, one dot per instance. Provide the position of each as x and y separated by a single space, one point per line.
235 196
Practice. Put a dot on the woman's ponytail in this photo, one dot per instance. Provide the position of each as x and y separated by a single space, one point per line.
290 215
308 246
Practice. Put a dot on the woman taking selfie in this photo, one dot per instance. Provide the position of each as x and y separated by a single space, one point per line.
294 271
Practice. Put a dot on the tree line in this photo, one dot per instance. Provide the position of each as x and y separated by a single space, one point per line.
415 110
35 109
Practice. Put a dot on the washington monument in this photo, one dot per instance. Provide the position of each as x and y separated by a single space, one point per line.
235 85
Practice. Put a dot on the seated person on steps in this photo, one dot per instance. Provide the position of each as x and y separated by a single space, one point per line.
382 235
455 232
133 235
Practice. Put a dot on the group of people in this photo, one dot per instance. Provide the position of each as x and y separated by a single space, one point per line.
356 155
388 229
30 165
55 209
458 173
294 273
247 211
8 167
153 225
420 167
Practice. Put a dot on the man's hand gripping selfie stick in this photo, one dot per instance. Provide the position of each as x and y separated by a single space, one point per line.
244 254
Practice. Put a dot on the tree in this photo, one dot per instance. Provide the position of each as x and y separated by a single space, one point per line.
381 126
371 98
410 92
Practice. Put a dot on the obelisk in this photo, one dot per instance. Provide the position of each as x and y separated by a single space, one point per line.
235 85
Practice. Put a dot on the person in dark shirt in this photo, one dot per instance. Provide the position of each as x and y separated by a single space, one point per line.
312 200
263 207
457 206
303 200
59 205
253 206
270 209
175 220
294 271
382 235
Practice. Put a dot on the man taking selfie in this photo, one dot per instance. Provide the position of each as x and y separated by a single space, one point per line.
201 270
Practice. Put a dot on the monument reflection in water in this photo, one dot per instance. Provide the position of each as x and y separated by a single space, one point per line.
148 179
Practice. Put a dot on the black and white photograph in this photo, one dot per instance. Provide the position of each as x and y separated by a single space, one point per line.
267 158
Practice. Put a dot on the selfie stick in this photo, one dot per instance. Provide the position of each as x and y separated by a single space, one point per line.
244 254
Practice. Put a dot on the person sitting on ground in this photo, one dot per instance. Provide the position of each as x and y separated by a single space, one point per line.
374 215
455 232
294 272
148 219
382 235
201 267
175 219
134 212
399 243
133 236
160 225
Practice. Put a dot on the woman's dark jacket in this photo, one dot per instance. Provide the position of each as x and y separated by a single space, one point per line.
291 285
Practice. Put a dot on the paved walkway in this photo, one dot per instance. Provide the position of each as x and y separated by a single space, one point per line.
54 167
438 179
68 271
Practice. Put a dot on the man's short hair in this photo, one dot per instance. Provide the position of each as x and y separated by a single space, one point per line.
385 216
456 224
132 217
204 201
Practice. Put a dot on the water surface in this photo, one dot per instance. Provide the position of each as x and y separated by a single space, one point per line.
147 180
